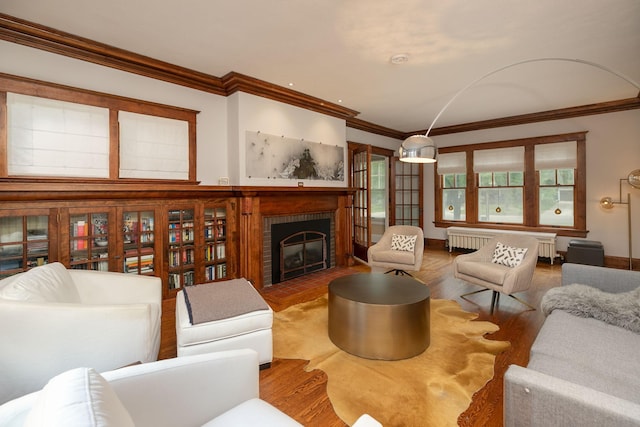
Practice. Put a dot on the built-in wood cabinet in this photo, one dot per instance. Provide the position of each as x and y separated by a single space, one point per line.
183 233
183 240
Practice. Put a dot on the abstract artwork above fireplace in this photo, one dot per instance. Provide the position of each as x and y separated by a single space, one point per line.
282 158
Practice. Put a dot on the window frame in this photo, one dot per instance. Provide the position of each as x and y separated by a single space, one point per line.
41 89
531 187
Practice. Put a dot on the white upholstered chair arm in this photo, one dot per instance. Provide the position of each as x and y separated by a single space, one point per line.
40 341
186 391
103 287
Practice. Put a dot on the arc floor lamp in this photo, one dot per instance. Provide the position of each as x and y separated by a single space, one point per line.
422 149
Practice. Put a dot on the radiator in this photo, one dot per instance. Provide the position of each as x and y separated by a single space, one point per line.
475 238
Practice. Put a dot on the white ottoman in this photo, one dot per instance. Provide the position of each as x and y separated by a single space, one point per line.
225 315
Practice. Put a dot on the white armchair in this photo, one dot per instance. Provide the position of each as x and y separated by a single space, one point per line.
478 268
53 320
383 255
212 389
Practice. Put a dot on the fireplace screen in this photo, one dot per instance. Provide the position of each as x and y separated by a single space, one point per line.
302 253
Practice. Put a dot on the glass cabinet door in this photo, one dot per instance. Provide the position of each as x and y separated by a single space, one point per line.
24 242
89 241
138 241
181 248
215 248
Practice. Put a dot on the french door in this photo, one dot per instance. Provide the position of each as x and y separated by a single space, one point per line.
360 179
407 189
403 190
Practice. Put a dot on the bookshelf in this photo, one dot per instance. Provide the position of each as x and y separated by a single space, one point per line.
138 241
24 241
181 248
215 238
89 240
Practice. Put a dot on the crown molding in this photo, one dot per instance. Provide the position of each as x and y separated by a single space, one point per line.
542 116
360 124
41 37
59 42
234 82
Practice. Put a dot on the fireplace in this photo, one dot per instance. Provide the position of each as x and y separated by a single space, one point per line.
297 245
301 253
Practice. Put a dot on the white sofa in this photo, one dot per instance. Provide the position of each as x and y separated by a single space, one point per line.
213 389
53 319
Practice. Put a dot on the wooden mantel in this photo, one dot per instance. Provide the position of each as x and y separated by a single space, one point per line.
259 202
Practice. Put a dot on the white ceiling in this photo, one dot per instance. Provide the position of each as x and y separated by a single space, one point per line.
340 49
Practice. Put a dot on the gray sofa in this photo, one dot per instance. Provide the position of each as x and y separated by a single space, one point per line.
581 371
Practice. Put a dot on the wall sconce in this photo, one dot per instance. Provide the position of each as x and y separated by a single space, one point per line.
633 179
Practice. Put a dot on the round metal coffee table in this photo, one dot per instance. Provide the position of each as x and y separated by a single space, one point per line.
379 316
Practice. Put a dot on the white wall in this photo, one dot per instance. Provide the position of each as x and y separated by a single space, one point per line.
613 150
253 113
211 122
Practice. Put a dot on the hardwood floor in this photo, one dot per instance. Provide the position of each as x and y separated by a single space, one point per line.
302 395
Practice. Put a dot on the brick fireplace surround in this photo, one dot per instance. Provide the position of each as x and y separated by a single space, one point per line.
257 204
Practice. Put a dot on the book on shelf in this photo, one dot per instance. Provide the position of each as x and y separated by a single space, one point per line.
80 229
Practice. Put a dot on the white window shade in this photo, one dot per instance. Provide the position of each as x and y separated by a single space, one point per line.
47 137
452 163
153 147
559 155
509 159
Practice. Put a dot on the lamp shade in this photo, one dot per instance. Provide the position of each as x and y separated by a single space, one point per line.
634 178
606 203
418 149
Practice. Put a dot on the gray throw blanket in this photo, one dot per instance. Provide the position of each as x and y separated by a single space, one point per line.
622 309
221 300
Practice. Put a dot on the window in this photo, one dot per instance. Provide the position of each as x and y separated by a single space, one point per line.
555 164
55 131
500 184
43 131
452 172
153 147
528 184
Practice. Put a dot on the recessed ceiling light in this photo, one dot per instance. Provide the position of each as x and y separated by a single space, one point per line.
399 58
339 101
291 84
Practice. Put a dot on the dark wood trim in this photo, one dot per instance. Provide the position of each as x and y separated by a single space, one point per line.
234 82
42 89
542 116
544 139
38 36
363 125
3 133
